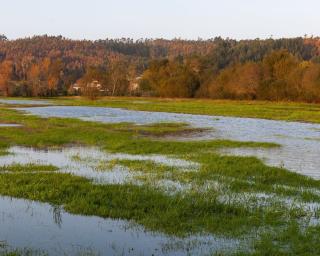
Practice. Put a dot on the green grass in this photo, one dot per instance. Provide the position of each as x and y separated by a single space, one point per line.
3 152
290 241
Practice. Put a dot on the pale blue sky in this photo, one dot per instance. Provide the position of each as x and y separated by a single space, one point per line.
95 19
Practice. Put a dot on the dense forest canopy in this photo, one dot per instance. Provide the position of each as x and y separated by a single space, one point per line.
271 69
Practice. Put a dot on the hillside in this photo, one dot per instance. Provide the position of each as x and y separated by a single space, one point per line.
282 69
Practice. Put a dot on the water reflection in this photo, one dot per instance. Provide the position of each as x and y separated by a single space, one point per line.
57 215
28 224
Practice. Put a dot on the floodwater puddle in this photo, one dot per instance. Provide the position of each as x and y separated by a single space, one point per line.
296 152
42 227
86 162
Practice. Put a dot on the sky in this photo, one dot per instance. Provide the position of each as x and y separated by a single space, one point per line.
187 19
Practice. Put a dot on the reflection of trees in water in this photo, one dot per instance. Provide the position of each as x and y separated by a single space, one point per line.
57 216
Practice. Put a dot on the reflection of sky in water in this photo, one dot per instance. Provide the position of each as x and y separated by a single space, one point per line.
43 227
300 141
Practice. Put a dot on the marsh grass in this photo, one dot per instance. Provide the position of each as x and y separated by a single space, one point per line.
158 130
28 168
3 152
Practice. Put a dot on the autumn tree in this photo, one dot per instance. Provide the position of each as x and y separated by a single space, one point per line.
278 66
310 82
54 72
118 79
237 82
171 79
5 77
34 80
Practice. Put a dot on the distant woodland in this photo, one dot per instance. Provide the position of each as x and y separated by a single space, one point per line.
271 69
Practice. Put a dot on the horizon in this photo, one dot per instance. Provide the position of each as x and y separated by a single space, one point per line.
150 38
187 19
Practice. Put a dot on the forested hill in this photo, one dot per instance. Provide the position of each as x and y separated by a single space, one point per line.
282 69
98 52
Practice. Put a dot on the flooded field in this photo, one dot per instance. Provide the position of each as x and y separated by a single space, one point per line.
300 142
209 200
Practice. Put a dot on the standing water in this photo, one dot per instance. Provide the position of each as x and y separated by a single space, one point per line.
48 229
300 142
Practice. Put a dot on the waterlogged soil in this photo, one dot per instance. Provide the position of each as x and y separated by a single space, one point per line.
51 230
89 162
300 142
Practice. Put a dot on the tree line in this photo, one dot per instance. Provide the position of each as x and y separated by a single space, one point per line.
270 69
